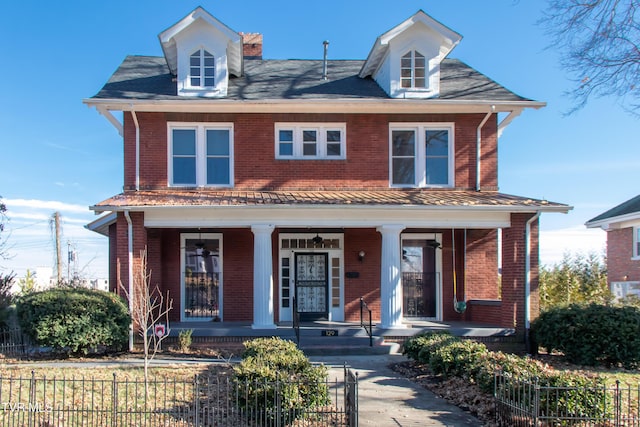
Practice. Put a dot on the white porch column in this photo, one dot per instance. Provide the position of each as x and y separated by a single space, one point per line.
262 277
390 277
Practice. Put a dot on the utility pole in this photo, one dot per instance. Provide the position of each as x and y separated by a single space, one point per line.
56 221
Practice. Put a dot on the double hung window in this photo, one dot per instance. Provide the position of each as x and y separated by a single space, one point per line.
200 154
310 140
421 155
636 242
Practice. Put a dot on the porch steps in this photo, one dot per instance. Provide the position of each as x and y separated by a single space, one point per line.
345 345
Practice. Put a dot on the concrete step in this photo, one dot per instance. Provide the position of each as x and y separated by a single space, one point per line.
345 345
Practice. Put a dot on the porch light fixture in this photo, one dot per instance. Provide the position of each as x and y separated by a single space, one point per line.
433 244
317 240
361 255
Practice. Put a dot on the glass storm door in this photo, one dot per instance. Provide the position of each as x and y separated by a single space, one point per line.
312 286
419 278
201 278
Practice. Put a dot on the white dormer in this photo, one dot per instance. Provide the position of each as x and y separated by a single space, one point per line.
202 52
405 61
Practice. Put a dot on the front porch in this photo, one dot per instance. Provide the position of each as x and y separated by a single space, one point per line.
338 338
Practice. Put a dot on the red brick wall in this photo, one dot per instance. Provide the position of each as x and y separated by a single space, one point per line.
513 272
367 285
238 275
366 165
482 265
619 253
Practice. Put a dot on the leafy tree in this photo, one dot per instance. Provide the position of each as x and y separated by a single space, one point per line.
577 279
600 47
28 283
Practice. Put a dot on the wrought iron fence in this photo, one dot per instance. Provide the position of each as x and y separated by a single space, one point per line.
201 401
13 343
526 402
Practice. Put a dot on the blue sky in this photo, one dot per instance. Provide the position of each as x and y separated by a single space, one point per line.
59 155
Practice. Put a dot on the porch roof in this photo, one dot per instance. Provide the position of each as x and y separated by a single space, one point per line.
419 198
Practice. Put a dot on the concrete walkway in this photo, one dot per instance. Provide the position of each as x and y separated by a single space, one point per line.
387 399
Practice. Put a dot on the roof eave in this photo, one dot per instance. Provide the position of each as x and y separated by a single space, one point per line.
312 105
515 209
607 223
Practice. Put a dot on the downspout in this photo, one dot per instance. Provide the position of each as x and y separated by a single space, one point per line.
130 250
135 122
527 281
478 145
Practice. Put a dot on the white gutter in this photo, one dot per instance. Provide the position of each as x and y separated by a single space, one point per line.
130 247
527 278
135 122
512 115
478 145
106 113
382 106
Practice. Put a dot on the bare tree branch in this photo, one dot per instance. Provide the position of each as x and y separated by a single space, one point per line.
599 42
150 308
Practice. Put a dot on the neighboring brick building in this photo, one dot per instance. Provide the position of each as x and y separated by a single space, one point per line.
252 181
622 224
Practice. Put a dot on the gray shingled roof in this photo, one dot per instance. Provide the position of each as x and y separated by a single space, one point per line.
631 206
148 78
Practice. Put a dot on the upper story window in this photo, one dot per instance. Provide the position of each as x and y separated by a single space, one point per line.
202 69
200 154
310 140
636 242
421 155
413 70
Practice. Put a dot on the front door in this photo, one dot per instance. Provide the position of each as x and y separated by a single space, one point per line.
312 286
419 278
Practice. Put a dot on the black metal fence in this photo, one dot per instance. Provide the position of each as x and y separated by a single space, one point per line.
201 401
13 343
526 402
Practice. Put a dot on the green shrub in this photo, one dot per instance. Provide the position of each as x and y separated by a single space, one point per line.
420 347
454 358
592 335
74 320
575 395
272 366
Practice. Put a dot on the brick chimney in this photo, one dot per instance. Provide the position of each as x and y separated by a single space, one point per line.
251 45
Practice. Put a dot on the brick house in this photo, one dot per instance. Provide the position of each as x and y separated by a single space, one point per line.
251 181
622 224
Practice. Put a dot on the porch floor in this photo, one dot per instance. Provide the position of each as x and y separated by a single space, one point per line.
343 329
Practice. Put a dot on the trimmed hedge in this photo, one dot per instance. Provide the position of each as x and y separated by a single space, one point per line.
74 320
591 335
447 355
273 366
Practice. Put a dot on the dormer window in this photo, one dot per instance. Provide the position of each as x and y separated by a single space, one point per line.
202 69
412 70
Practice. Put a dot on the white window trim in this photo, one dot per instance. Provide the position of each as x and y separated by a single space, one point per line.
183 240
201 155
202 67
322 128
635 253
420 153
